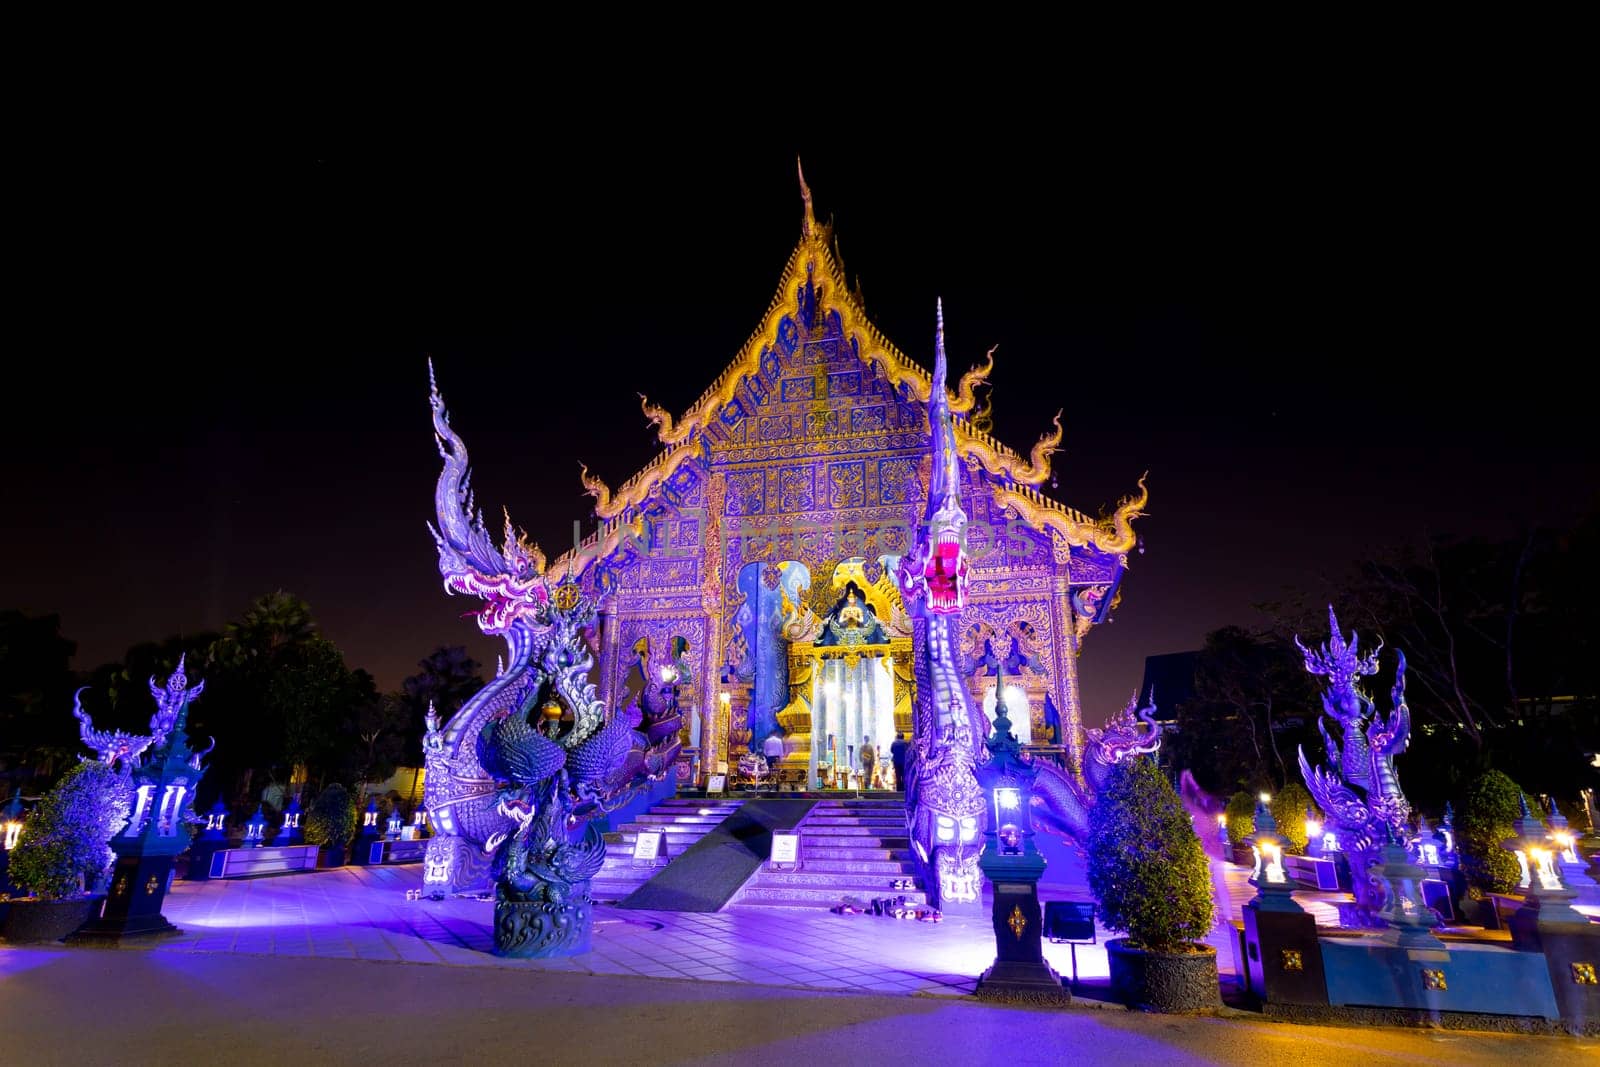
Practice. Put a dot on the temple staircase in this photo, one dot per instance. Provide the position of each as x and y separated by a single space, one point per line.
848 848
685 820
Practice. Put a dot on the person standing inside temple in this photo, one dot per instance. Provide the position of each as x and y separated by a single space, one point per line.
869 761
897 756
772 749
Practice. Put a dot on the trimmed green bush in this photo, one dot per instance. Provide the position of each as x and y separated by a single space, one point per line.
1289 806
1241 813
64 840
1488 809
1146 866
332 819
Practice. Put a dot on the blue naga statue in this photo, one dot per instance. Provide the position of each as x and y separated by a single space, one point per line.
515 776
945 808
1360 794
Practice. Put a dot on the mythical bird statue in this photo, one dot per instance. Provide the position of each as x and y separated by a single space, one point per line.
944 805
487 815
1360 793
110 747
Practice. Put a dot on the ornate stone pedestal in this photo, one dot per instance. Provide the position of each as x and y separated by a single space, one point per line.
1019 973
540 929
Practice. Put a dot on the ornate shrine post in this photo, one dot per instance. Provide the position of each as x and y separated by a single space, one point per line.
158 830
1069 701
1013 865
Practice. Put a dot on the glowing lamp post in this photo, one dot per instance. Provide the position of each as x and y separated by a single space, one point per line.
1547 899
1013 865
394 824
216 822
361 853
1222 832
290 833
1572 863
11 821
10 830
211 841
1313 828
255 829
1273 888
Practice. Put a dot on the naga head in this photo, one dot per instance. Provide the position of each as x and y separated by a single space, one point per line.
1122 737
509 579
1343 665
934 573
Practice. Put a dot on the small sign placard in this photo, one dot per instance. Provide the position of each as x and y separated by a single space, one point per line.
717 784
647 846
785 850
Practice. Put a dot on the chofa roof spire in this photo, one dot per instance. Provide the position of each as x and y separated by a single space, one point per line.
808 225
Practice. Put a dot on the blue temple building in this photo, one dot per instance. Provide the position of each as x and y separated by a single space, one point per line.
762 539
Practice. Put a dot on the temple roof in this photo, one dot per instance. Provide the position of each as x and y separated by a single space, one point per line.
1013 477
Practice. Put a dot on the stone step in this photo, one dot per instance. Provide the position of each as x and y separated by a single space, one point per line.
808 830
828 867
794 896
866 853
608 890
886 823
878 885
859 805
676 819
698 805
832 841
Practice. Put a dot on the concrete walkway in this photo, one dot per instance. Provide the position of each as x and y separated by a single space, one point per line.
131 1007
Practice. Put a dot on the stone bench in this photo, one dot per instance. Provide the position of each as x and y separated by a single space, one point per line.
396 851
269 859
1312 872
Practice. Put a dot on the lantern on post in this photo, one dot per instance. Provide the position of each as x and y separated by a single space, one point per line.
1013 864
394 824
10 831
255 829
11 822
1313 827
213 840
361 851
290 833
1273 888
216 822
1572 864
1547 899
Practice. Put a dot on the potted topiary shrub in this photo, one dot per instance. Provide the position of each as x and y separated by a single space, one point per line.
1241 816
1489 807
63 847
330 824
1149 873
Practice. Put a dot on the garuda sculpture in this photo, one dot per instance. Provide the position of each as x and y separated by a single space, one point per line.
1360 793
516 774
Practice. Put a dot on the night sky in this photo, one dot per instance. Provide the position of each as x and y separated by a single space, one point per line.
1319 336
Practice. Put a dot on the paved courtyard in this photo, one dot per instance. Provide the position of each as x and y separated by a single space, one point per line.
363 913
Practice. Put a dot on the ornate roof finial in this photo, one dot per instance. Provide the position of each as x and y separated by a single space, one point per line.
809 224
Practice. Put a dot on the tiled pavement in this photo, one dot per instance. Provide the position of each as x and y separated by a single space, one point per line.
363 913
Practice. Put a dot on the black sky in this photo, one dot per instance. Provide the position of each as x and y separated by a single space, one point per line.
1320 329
